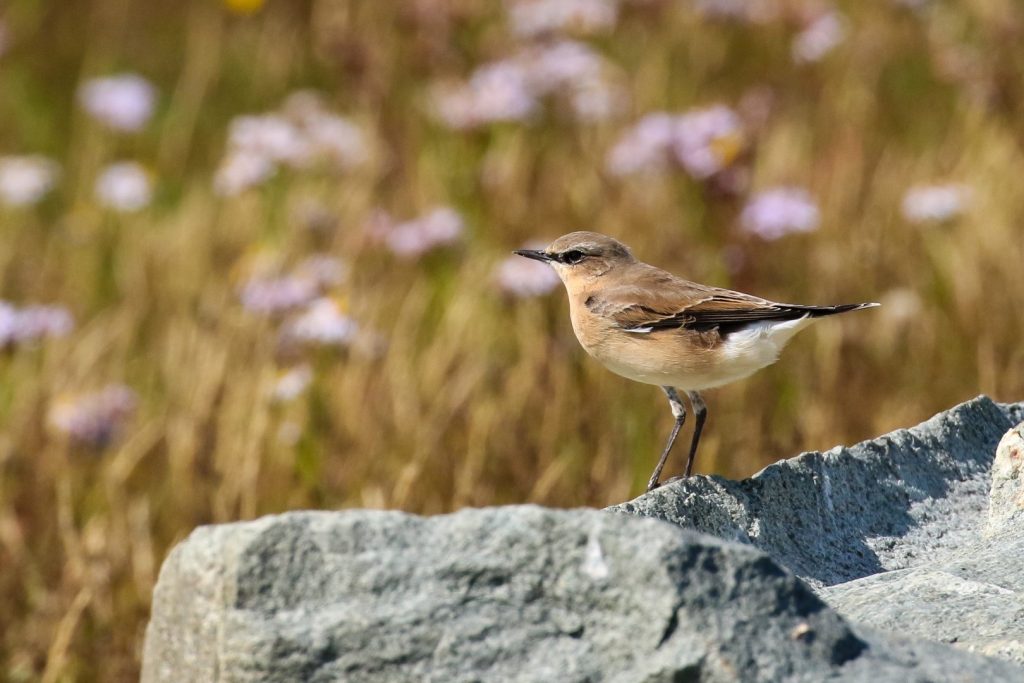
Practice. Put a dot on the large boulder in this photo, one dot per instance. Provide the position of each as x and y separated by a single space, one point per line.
504 594
899 533
973 596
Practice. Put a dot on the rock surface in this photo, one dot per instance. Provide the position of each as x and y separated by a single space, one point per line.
890 531
910 495
1006 502
505 594
899 535
972 599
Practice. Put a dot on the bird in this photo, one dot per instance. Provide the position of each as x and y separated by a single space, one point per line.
648 325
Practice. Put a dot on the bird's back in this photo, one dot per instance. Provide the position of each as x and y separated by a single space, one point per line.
651 326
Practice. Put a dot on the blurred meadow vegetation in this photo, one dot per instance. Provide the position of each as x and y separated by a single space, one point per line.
424 381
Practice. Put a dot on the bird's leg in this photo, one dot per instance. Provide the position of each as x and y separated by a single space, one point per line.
679 412
700 413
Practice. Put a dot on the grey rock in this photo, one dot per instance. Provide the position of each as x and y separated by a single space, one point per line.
1006 500
973 599
505 594
891 532
909 496
1014 411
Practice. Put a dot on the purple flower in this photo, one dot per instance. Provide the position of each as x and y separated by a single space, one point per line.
512 89
779 211
93 419
123 102
745 11
935 203
124 186
32 323
270 136
708 140
274 295
702 141
573 70
524 278
25 180
241 170
324 270
323 323
337 140
644 147
412 239
301 135
495 92
530 18
328 136
819 38
292 383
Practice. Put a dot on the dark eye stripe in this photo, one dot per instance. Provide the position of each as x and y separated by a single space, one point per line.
571 257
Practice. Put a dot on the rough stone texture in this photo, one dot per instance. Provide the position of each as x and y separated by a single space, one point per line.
505 594
908 496
1006 501
899 533
974 598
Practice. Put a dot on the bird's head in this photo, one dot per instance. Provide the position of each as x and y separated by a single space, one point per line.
582 256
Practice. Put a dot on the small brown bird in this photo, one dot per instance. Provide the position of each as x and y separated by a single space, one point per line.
653 327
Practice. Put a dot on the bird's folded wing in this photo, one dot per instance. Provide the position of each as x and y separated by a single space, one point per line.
679 304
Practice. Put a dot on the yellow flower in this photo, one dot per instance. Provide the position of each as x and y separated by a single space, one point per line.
728 147
244 6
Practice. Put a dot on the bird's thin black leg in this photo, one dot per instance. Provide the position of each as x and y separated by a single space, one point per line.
700 413
679 412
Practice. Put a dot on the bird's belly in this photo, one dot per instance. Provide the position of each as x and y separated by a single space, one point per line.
688 361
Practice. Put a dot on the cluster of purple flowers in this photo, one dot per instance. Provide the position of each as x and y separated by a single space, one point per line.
935 203
25 180
266 290
302 134
323 322
123 102
124 186
291 383
532 18
780 211
411 239
514 89
301 298
702 142
820 36
822 27
93 419
30 324
523 278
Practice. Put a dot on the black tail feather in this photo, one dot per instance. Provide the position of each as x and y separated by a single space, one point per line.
821 311
729 321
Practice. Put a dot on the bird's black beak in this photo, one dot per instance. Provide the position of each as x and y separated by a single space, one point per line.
535 254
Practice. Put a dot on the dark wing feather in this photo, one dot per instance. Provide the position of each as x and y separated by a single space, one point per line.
660 301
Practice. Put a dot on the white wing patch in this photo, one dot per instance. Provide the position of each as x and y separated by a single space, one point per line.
639 330
759 344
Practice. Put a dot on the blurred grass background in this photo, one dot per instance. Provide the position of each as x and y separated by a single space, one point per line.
466 395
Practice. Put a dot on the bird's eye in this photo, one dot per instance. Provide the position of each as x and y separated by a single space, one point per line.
572 257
